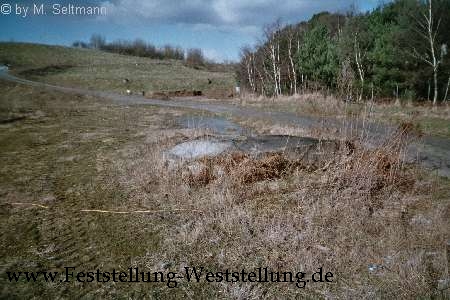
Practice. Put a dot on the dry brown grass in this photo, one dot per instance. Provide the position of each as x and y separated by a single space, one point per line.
356 209
303 104
361 208
372 169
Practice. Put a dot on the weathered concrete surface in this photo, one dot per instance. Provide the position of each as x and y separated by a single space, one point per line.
199 148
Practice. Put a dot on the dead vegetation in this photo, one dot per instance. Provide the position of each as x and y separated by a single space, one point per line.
217 93
244 169
305 104
378 224
421 116
166 95
370 170
354 165
269 167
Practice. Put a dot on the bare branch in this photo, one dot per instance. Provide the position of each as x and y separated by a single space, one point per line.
417 55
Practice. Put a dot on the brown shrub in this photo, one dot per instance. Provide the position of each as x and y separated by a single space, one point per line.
202 176
241 168
230 161
370 170
409 128
272 166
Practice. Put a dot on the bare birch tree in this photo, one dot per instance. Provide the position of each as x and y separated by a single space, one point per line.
359 66
292 70
271 34
446 90
248 59
428 29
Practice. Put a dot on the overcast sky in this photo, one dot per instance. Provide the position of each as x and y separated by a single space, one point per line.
219 27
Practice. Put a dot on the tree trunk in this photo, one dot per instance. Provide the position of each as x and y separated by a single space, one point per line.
278 68
251 73
435 62
294 75
359 66
397 99
274 70
435 97
429 32
446 90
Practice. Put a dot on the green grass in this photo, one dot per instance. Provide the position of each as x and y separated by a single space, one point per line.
105 71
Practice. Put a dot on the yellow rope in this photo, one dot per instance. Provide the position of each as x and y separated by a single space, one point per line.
139 211
31 204
118 212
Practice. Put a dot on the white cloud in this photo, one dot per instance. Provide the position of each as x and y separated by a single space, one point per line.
220 13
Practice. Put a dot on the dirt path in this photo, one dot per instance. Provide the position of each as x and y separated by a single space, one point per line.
234 110
433 152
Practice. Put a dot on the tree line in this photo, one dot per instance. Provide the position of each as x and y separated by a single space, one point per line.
398 50
193 57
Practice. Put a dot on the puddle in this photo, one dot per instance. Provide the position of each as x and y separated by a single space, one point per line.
253 145
220 126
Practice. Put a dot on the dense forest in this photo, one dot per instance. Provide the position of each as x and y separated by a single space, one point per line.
398 50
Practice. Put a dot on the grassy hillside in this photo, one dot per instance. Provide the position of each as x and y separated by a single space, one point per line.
106 71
